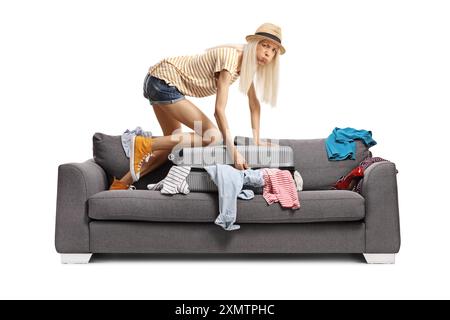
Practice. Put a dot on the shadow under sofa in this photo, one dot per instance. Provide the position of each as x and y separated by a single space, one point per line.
92 219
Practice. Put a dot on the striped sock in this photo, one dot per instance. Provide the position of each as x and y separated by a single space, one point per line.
156 186
175 182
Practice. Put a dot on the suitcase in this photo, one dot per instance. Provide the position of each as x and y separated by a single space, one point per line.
257 157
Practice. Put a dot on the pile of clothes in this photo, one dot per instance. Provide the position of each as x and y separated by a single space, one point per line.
278 186
340 145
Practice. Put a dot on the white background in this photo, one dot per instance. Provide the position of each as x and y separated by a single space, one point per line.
69 69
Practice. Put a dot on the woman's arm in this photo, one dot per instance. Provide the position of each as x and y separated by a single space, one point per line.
223 85
255 111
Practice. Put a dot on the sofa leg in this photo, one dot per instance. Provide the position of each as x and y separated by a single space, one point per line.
381 258
75 258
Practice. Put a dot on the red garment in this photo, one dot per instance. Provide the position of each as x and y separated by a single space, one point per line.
279 186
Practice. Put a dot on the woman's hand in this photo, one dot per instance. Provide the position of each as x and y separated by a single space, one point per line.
239 161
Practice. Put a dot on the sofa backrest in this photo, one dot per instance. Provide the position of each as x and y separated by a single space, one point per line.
311 160
109 154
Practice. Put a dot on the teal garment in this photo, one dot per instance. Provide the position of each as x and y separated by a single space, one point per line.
341 145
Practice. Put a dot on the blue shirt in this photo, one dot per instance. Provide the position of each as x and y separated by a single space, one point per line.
340 145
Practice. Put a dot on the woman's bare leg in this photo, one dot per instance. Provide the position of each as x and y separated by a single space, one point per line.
170 118
160 156
191 116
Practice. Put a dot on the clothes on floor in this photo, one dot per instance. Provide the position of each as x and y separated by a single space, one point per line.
127 136
340 145
174 182
279 186
365 164
229 182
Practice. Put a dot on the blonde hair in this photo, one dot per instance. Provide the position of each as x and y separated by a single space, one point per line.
266 76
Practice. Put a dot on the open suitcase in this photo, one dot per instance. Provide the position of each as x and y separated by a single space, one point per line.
257 157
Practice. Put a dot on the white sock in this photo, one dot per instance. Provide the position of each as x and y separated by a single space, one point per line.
298 180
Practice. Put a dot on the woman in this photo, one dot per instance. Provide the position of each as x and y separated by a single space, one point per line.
169 81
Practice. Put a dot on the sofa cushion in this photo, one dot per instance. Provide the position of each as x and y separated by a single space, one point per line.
109 154
140 205
311 160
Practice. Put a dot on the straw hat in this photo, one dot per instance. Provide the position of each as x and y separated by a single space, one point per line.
268 31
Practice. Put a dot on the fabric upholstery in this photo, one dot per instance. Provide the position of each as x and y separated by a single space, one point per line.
382 212
92 219
76 183
137 205
148 237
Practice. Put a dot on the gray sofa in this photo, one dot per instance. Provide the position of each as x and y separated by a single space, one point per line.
91 219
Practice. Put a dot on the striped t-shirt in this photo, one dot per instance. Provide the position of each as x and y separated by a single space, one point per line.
279 186
195 75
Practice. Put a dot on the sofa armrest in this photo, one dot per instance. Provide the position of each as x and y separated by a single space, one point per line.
76 183
379 190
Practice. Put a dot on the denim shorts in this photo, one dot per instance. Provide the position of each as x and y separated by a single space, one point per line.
157 91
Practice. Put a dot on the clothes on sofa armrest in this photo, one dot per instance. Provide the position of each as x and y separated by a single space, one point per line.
128 135
279 186
174 182
365 164
340 145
